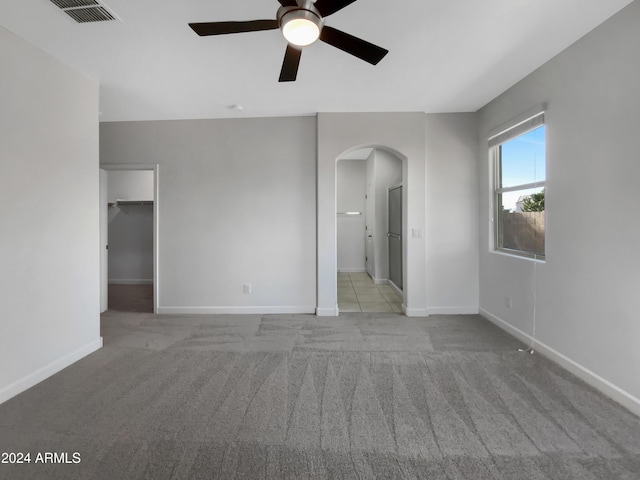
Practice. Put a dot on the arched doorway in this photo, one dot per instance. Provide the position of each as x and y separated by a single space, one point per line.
403 135
369 228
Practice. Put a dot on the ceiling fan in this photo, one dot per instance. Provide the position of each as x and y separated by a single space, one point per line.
302 23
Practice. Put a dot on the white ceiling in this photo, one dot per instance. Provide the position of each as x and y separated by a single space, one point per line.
445 55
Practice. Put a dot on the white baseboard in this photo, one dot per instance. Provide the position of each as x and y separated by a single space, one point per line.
327 312
395 288
352 270
380 281
48 370
235 310
452 310
414 312
131 281
596 381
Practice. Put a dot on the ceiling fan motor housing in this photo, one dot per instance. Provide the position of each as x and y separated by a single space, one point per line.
304 12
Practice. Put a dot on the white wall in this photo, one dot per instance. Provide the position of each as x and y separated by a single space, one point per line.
350 191
237 205
49 257
587 290
452 214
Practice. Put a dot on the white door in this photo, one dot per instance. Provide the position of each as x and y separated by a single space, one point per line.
369 210
104 252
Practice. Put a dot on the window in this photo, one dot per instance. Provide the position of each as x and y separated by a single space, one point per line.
519 156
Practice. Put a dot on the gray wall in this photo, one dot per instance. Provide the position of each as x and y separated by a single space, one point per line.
350 197
387 172
585 295
452 213
380 170
236 205
129 185
49 262
131 245
130 236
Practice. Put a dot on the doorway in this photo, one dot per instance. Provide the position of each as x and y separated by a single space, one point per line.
129 240
363 179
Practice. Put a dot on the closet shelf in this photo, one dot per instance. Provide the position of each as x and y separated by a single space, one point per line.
130 202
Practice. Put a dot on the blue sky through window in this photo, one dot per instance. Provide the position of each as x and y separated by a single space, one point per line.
523 162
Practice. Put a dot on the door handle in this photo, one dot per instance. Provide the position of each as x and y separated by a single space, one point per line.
393 235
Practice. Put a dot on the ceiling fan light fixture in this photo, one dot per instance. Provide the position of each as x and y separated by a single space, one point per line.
301 23
301 27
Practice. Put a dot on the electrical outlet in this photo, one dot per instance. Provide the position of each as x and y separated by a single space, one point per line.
508 302
247 288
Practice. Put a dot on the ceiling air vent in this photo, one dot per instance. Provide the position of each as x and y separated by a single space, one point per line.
84 11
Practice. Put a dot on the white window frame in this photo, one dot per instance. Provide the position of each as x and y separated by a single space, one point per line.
524 124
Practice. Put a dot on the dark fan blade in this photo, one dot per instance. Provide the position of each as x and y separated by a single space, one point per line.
290 65
288 3
328 7
355 46
222 28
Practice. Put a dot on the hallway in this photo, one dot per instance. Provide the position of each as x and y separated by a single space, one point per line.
358 293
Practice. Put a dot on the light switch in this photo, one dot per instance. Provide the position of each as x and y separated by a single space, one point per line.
417 233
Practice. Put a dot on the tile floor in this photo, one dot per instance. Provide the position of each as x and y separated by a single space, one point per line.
358 293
